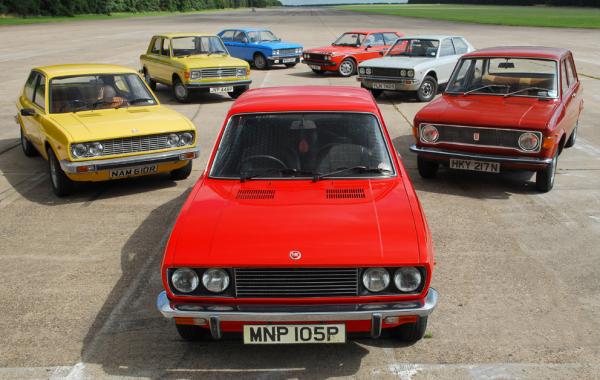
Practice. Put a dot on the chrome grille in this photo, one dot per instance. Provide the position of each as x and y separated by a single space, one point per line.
489 137
225 72
287 51
134 144
296 282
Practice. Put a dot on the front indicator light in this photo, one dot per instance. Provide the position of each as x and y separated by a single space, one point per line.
376 279
215 280
407 279
528 141
185 280
429 133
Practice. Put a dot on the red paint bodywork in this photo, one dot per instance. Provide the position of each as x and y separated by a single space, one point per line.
359 54
387 228
556 118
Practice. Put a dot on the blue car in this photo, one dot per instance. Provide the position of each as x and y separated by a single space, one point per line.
260 47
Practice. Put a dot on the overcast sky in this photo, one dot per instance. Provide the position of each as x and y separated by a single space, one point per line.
315 2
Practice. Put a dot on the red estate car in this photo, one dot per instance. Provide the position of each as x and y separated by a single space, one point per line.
504 108
304 227
349 50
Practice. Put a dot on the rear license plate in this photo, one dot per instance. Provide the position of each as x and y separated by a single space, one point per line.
288 60
384 86
478 166
293 334
315 67
221 90
133 171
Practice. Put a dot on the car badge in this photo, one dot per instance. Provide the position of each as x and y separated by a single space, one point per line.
134 130
476 136
295 255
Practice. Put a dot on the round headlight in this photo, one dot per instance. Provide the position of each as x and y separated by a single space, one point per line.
173 139
79 150
376 279
368 71
528 141
402 73
429 133
185 280
407 279
276 52
411 73
215 280
95 149
361 70
186 138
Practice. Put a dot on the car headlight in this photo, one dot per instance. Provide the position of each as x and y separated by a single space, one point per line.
95 149
195 75
275 52
410 73
407 279
361 70
240 72
402 73
173 139
429 133
376 279
299 51
328 57
529 141
369 71
185 280
215 280
79 150
306 55
186 138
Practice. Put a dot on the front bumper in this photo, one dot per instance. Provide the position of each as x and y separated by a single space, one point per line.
324 65
73 167
375 312
436 153
280 59
392 84
236 83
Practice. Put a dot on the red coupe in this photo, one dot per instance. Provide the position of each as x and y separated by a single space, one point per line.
504 108
349 50
305 227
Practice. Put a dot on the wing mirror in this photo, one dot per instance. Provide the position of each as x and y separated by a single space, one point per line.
382 53
27 112
368 47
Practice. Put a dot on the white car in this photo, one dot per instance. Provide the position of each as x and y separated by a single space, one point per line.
417 64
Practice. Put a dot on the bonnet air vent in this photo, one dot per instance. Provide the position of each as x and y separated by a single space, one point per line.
255 194
356 193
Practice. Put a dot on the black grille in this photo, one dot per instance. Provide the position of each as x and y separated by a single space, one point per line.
356 193
316 57
480 136
255 194
296 282
385 72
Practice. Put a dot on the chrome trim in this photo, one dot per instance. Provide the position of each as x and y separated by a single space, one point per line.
215 327
376 323
295 313
172 155
477 156
540 135
219 84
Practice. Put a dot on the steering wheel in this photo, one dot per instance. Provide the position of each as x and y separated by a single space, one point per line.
266 156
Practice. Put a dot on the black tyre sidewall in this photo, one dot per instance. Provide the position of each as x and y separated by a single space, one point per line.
149 81
420 95
544 179
183 172
353 70
28 148
187 92
63 185
258 57
427 169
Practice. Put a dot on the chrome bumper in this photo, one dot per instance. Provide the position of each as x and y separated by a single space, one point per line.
532 161
375 312
112 163
399 84
236 83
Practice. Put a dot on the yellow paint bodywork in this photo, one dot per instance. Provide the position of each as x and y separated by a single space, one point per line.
164 68
59 131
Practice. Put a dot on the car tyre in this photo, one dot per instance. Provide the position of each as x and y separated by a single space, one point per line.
427 169
544 179
347 67
237 91
180 92
149 81
61 184
192 333
290 65
182 173
428 89
375 92
28 148
571 141
260 62
410 332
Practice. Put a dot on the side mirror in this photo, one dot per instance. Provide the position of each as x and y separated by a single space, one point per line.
244 40
27 112
382 53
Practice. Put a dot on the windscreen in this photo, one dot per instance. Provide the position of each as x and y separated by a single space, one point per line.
194 45
262 36
350 39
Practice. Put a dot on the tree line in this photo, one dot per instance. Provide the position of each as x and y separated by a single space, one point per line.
75 7
559 3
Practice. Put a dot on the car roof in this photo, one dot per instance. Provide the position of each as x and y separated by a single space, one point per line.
520 51
246 29
429 37
188 34
305 98
367 31
83 69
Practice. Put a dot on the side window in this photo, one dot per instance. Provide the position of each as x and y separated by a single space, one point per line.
165 47
460 46
156 46
240 36
447 48
40 92
390 38
375 39
570 72
563 78
227 35
30 85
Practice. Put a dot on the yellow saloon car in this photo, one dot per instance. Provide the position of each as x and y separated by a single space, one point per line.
101 122
189 62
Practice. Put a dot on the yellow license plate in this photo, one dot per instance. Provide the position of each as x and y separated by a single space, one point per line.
133 171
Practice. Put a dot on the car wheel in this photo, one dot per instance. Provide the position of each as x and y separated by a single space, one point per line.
61 184
237 91
571 141
347 67
544 179
149 81
318 71
427 169
180 92
260 62
290 65
410 332
428 89
375 92
182 173
27 146
192 333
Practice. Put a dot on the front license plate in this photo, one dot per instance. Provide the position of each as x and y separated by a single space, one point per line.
292 334
288 60
221 90
315 67
133 171
384 86
478 166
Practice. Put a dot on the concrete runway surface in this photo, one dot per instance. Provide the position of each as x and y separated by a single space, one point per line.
517 270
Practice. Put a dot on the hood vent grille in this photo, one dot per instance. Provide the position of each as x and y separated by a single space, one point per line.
350 193
255 194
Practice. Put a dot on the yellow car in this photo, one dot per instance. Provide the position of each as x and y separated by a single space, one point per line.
194 62
101 122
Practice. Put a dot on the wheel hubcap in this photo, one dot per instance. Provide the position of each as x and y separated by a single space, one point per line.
180 91
346 68
427 89
260 62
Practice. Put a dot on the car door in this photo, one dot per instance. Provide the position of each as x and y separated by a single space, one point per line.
164 69
153 56
571 95
374 45
447 58
35 99
228 40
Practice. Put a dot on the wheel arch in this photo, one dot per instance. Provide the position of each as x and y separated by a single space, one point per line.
431 73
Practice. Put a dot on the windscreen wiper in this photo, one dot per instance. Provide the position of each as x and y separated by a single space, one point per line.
526 89
139 100
284 171
359 169
486 86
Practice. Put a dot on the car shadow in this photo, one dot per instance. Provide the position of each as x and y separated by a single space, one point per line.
129 337
310 74
392 97
165 96
465 183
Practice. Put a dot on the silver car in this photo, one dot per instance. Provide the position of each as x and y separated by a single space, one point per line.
417 64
